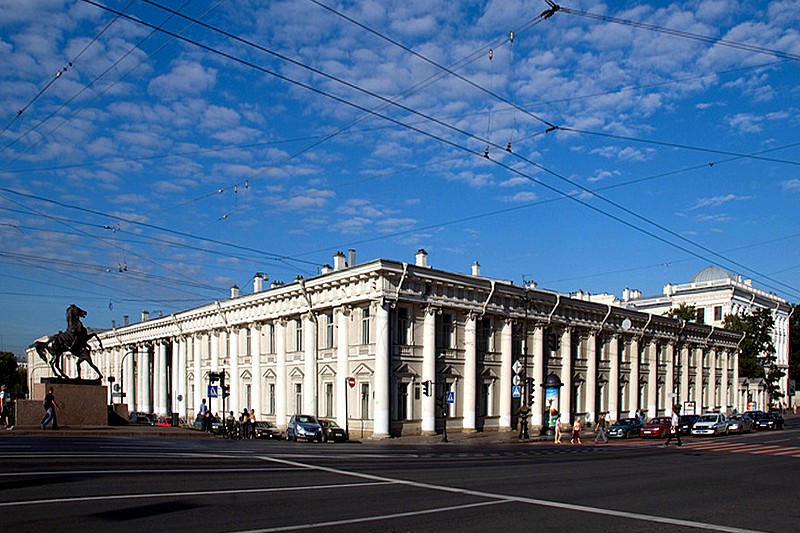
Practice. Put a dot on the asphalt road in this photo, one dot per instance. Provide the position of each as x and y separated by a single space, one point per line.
65 484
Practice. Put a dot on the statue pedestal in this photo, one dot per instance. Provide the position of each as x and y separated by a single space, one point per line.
83 402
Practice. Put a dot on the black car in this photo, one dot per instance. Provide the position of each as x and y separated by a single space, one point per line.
143 419
769 421
686 423
267 430
331 431
625 427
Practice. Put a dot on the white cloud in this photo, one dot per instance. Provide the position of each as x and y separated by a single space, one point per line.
185 79
791 185
716 201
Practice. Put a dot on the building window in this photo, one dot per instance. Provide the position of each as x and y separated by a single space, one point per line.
248 336
329 399
298 397
403 326
271 399
365 325
248 396
365 401
484 335
701 315
717 313
444 333
227 345
270 338
329 330
486 396
298 335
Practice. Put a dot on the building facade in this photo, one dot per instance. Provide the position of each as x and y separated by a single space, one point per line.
715 293
361 344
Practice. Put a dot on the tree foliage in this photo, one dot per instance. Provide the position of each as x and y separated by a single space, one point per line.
686 312
757 357
11 375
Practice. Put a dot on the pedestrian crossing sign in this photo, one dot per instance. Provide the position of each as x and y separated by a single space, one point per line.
516 391
213 391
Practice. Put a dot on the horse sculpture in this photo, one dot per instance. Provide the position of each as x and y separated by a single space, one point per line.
75 341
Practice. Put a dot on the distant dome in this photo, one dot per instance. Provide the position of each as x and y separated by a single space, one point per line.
712 273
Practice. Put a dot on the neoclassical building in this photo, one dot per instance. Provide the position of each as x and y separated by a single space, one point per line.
715 293
361 343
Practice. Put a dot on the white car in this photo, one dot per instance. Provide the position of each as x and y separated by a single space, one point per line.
711 424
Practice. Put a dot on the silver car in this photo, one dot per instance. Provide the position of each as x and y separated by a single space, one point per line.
711 424
740 424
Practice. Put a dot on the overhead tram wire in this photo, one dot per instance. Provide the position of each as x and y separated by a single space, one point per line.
439 138
64 69
680 33
98 94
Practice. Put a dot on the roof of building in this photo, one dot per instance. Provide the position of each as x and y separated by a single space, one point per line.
712 273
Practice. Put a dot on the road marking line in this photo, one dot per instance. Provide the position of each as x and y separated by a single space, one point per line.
186 493
361 520
141 471
518 499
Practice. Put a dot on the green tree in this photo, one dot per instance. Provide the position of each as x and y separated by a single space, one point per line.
686 312
11 375
756 352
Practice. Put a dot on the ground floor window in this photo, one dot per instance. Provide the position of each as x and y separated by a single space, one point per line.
365 401
329 399
298 397
271 399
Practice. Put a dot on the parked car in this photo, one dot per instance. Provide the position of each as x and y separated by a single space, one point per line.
769 421
625 428
143 419
711 424
686 423
657 427
332 431
304 427
740 424
267 430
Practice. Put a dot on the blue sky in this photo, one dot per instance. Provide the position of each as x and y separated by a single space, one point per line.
161 167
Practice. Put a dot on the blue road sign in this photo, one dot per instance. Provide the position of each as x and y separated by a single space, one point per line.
451 397
516 391
213 391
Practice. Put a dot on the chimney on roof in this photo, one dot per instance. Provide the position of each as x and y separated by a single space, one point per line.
351 257
145 316
339 262
326 269
476 269
235 291
258 282
422 258
125 320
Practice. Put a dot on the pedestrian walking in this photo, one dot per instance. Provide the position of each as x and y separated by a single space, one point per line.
674 429
5 407
576 432
600 429
252 423
558 430
205 419
50 407
244 419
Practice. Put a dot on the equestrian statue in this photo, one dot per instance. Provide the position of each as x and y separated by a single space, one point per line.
75 341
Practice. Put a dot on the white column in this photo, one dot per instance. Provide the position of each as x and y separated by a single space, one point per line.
565 396
342 366
255 369
736 402
613 378
698 381
712 379
161 372
538 406
685 371
310 382
429 371
669 380
470 372
176 384
633 383
117 371
157 377
198 378
506 356
724 381
130 378
652 378
591 376
280 374
382 378
215 404
234 366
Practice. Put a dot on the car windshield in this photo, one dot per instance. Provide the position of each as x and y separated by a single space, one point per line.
305 419
687 418
708 418
657 421
329 423
626 422
735 417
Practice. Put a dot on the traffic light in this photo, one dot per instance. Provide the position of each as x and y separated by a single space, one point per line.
553 342
226 391
532 389
426 388
213 377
